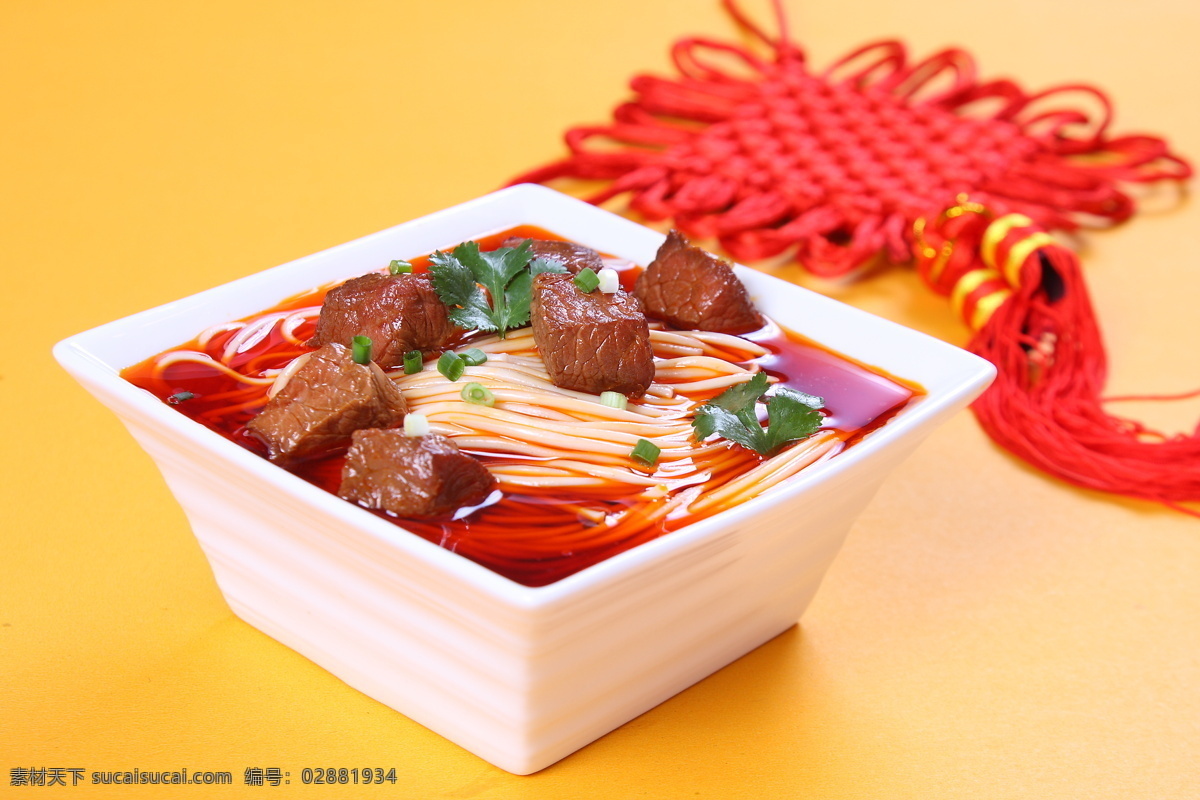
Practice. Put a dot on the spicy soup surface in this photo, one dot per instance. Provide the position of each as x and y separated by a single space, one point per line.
538 530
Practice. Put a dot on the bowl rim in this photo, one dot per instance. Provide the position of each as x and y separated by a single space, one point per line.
81 355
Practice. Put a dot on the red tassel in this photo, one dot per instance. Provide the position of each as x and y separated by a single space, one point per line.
1025 297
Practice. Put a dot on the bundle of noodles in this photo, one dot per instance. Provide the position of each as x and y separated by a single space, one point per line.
545 438
541 441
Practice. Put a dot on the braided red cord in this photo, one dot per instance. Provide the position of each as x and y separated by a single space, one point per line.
836 166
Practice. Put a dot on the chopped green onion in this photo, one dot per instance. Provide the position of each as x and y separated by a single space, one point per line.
451 365
646 451
478 394
399 267
361 349
614 400
414 362
473 357
586 280
610 281
416 425
179 397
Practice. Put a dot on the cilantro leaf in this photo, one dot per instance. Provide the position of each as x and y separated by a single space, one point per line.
456 285
791 415
496 268
540 265
518 297
732 414
740 399
810 400
519 294
461 277
714 419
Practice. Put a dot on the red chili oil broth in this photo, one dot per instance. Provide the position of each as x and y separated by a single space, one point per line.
858 400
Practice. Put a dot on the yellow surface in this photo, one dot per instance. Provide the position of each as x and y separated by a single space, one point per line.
985 633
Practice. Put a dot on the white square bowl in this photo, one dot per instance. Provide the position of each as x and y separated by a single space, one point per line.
519 676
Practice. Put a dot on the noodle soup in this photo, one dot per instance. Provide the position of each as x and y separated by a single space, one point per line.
521 671
570 496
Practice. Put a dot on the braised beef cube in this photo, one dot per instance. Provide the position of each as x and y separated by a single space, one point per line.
694 290
326 400
397 312
591 341
574 257
412 476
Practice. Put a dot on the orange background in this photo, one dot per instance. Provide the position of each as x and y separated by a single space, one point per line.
986 632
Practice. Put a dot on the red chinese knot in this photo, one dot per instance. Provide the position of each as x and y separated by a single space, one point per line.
918 162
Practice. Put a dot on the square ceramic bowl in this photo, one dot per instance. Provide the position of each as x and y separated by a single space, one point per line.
519 676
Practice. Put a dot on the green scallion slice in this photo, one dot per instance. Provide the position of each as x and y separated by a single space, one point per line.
614 400
179 397
473 357
610 281
399 267
361 349
416 425
646 451
478 394
414 362
451 365
587 280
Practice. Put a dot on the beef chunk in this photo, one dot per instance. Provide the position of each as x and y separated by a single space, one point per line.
591 342
574 257
422 476
398 312
327 399
693 290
